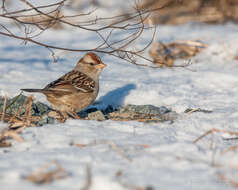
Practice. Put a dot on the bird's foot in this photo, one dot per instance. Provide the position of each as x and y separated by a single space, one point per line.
60 116
73 114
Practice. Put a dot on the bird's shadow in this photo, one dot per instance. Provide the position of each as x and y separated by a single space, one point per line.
116 97
110 101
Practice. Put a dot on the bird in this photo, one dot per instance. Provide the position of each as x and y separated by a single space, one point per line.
75 90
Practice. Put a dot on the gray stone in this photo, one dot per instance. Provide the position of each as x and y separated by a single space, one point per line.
145 109
37 109
13 105
46 120
170 116
41 108
97 115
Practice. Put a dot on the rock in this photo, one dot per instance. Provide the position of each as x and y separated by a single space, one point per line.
170 116
39 110
13 105
143 113
42 114
84 113
190 110
109 109
97 115
46 120
145 109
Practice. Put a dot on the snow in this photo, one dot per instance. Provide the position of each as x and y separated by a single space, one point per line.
172 160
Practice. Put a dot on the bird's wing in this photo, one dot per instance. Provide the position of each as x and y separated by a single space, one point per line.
73 79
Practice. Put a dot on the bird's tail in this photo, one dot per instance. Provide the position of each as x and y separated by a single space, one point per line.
32 90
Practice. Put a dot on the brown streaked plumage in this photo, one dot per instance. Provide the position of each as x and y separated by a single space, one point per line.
76 89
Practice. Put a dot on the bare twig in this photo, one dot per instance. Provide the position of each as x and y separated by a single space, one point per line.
112 144
88 182
4 108
215 130
45 175
38 19
28 111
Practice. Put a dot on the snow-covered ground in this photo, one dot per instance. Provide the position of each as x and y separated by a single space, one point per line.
170 159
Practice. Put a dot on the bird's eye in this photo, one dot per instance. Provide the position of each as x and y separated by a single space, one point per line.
91 64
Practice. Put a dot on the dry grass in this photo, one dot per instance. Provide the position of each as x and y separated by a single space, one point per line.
88 182
118 149
45 174
222 176
111 144
16 123
211 131
183 11
4 108
7 134
166 54
225 179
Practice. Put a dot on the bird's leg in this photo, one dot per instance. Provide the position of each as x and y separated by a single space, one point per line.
59 115
63 116
73 114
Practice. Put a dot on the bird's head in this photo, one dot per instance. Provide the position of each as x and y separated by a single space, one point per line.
90 64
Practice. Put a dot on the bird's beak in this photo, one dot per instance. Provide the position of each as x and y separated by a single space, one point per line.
101 65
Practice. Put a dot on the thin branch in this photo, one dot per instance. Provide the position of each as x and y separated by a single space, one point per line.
131 24
27 10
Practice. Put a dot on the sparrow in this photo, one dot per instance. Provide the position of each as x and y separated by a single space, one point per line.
76 89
